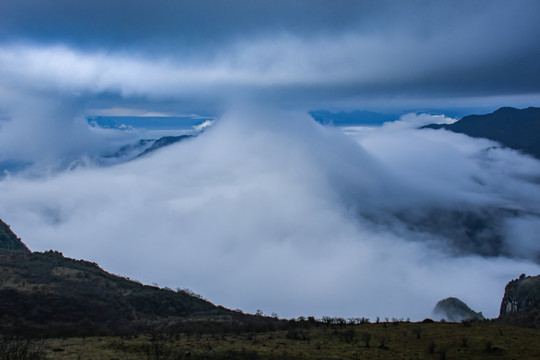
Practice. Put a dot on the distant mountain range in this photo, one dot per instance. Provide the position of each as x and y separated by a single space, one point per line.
142 148
513 128
164 141
187 122
354 118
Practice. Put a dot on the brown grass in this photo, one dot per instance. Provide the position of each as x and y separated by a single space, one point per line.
388 341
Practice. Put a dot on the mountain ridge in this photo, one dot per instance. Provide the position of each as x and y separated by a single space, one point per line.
10 241
45 292
518 129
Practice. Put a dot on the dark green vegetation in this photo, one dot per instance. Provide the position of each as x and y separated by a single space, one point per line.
305 340
514 128
453 309
10 241
46 292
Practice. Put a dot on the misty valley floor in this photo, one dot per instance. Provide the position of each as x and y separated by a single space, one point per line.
392 340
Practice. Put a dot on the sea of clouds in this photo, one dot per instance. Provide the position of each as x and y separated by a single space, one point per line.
266 209
270 210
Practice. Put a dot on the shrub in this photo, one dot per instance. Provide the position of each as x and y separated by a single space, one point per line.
382 343
442 353
431 347
366 337
21 348
347 335
297 334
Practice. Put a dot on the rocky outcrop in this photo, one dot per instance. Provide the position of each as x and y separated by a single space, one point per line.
10 241
521 295
453 309
521 302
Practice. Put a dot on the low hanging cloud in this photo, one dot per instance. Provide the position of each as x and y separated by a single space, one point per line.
269 210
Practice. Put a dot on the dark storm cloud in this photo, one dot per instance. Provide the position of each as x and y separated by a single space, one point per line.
134 24
131 20
317 49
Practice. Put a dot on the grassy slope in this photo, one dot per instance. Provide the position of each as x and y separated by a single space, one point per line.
40 289
436 341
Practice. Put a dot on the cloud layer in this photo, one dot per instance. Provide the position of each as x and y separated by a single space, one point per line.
299 55
269 210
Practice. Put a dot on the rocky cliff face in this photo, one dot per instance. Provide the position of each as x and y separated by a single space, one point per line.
521 295
10 241
521 302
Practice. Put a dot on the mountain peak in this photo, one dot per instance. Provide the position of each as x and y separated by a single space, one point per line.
10 241
517 129
453 309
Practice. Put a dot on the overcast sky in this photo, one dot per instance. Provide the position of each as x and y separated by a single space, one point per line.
302 54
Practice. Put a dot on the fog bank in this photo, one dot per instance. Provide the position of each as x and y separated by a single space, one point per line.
270 210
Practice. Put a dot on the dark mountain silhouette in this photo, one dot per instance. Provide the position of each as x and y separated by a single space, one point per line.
342 118
47 293
521 302
513 128
130 149
10 241
453 309
164 141
144 147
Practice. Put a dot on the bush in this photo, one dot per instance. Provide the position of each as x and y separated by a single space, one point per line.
21 348
366 337
431 347
297 334
347 335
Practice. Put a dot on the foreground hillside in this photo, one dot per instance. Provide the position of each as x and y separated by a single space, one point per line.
51 293
10 241
48 295
305 340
